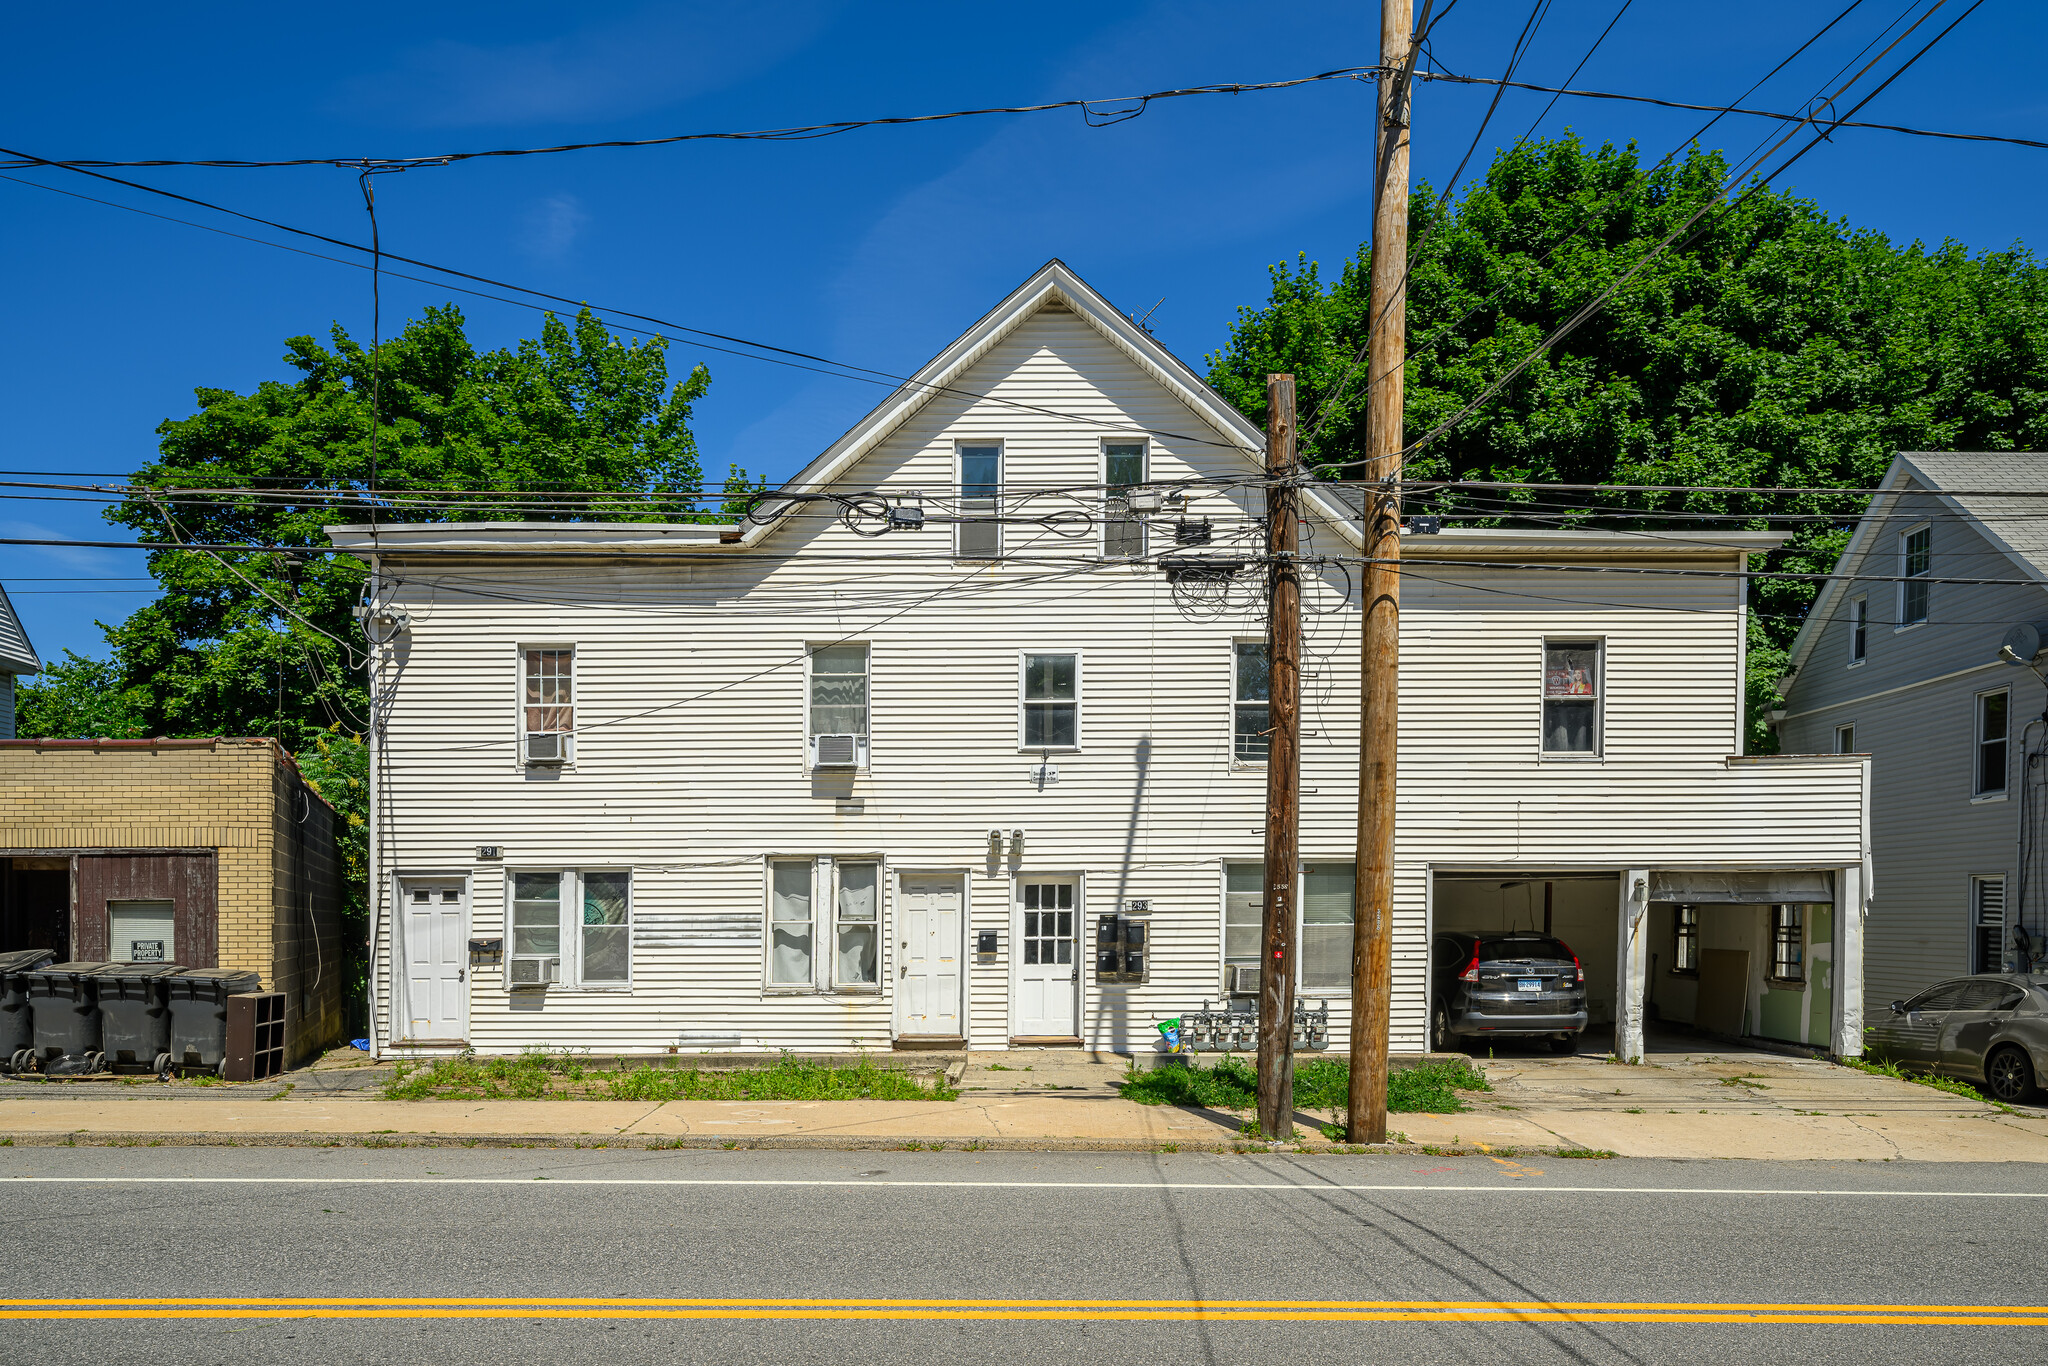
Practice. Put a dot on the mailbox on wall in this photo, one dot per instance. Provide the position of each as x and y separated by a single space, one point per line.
1119 949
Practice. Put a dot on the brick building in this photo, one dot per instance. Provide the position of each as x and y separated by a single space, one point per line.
204 853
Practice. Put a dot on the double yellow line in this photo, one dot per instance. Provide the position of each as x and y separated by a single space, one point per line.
1167 1311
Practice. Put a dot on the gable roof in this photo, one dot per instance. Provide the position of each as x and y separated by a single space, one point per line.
1052 284
1989 489
17 656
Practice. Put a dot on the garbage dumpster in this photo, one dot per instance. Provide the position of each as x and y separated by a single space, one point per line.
63 1000
17 1033
199 1015
135 1017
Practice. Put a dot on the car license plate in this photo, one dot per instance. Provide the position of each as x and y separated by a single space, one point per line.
1529 984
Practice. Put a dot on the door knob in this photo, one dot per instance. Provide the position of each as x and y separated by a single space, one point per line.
461 974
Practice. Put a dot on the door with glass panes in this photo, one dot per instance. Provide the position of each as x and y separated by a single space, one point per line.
1048 957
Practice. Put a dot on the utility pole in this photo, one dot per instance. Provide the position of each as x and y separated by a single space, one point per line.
1283 766
1372 952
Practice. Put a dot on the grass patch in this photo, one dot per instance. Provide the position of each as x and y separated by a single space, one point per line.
1585 1152
1885 1067
1319 1084
540 1075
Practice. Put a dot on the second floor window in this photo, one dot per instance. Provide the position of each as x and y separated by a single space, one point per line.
547 713
1251 703
1859 630
979 530
1991 737
1052 702
1123 532
1916 560
1571 697
839 706
1685 940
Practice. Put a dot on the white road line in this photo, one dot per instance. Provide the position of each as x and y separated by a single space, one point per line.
1514 1188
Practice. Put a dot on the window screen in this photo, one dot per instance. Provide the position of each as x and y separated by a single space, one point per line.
1252 700
789 925
1052 701
1326 926
1571 697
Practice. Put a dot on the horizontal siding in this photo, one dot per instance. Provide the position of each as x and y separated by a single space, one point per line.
690 753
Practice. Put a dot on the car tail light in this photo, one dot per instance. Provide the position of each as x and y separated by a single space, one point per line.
1471 972
1577 976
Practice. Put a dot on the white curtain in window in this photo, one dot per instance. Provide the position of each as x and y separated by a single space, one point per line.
859 925
789 950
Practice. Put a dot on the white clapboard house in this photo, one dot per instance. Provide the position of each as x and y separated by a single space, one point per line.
977 758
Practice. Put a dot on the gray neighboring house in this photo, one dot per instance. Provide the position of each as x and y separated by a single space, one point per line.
1900 660
17 656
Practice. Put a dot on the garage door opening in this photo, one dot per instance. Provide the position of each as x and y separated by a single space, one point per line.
1577 909
1738 970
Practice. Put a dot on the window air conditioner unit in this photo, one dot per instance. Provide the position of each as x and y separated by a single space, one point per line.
837 751
1243 981
547 749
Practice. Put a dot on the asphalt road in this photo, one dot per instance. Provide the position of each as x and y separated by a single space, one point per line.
460 1256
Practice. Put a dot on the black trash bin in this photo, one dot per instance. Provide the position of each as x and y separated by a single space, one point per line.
135 1016
63 999
199 1015
17 1032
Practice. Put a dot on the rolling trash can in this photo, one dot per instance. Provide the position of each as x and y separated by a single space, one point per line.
17 1031
63 1001
199 1015
135 1016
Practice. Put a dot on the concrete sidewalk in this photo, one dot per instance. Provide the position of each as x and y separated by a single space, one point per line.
1718 1104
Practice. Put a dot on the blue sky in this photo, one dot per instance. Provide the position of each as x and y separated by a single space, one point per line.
874 247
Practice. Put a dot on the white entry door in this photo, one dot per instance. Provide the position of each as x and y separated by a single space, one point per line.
1048 957
928 956
436 1002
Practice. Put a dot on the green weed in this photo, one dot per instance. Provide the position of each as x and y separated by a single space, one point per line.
1319 1084
1886 1067
1585 1152
540 1075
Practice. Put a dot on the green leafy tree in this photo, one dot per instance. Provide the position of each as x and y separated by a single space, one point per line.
1773 347
77 698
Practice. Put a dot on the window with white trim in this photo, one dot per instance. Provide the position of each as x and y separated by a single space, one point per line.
839 706
849 891
1323 933
1992 731
547 712
1859 629
1123 469
1251 693
1571 697
570 927
978 527
1845 739
1916 561
1051 689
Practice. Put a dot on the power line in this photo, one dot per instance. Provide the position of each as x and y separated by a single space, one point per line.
841 370
1112 111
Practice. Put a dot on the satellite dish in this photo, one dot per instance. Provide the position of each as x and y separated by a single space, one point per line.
2020 645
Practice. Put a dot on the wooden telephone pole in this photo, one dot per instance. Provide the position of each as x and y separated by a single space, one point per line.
1372 951
1283 767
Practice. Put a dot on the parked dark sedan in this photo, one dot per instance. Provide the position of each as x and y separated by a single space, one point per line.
1990 1030
1516 984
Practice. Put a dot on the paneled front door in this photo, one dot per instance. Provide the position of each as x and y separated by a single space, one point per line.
1048 957
928 956
436 1005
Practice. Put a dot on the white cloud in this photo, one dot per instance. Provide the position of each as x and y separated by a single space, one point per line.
552 226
